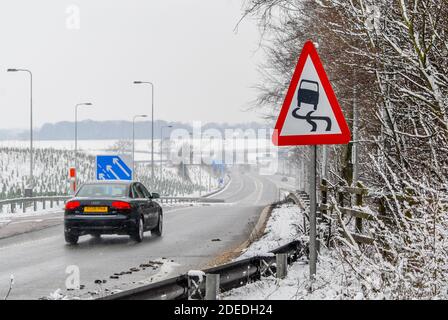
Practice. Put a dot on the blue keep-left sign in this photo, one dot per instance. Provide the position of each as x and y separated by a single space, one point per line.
112 167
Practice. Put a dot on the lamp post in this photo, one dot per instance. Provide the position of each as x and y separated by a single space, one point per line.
161 149
152 123
133 142
31 181
76 132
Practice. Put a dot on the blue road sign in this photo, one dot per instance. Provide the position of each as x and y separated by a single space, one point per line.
217 165
112 168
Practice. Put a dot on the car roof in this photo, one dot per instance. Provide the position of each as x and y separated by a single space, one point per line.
126 182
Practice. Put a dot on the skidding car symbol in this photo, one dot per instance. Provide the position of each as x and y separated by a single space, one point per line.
308 96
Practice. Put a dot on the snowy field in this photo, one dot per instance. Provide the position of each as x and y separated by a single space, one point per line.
143 146
53 160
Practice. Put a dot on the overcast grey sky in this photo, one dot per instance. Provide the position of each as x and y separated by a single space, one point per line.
201 68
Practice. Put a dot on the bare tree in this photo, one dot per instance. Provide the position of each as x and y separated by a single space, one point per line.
387 61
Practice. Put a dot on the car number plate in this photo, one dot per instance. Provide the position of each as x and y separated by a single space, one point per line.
95 209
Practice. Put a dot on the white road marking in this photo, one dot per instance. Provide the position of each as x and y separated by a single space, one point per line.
224 189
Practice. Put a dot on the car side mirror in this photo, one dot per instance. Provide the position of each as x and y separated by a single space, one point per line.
155 195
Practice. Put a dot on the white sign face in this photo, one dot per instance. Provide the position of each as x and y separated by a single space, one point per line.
310 112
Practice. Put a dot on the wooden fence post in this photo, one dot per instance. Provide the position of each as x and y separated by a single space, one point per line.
341 195
325 211
358 221
324 198
382 207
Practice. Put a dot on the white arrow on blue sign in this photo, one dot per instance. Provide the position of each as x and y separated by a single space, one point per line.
112 167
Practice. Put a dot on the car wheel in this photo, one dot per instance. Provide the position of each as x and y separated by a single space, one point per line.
71 238
138 233
159 229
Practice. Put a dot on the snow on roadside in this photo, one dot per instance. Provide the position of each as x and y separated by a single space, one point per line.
6 212
333 280
281 228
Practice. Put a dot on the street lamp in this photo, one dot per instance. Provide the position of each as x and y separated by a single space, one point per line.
133 142
161 149
152 124
31 182
76 132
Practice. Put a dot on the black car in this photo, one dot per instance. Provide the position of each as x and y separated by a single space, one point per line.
118 207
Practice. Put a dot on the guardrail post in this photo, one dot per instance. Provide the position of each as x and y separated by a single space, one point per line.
43 204
281 260
212 286
51 203
194 279
13 207
35 205
23 206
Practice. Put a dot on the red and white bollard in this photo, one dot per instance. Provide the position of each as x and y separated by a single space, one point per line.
72 177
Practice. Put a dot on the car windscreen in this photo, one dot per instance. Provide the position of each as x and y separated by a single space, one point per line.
103 190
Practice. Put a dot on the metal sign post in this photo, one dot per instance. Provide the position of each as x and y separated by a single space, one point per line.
313 205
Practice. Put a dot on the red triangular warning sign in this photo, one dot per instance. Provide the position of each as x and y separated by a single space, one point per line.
310 114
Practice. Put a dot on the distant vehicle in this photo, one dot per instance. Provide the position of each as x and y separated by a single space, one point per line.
112 207
284 179
307 95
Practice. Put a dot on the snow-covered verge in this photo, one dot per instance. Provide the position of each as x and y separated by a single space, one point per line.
411 269
282 227
333 280
5 211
